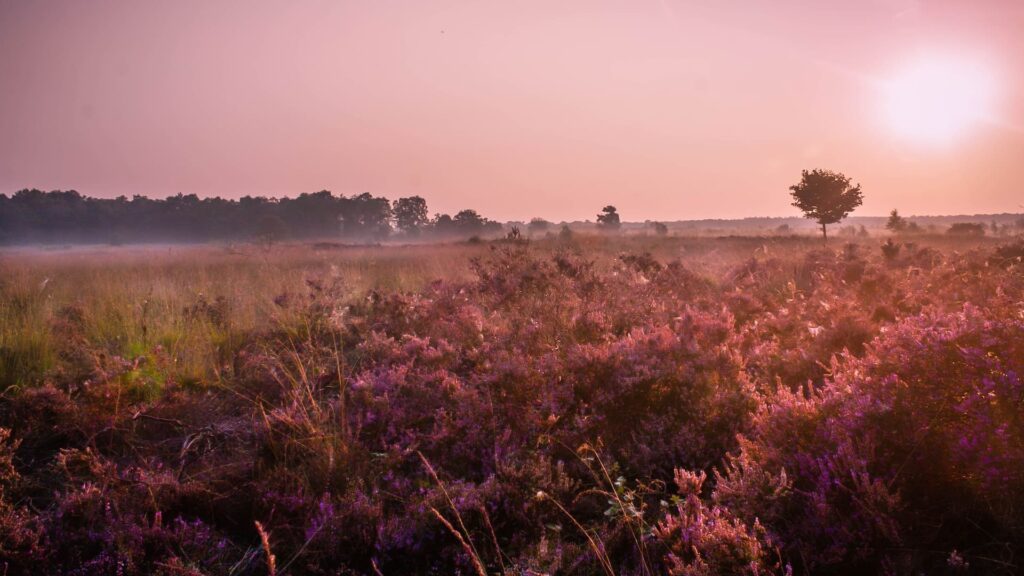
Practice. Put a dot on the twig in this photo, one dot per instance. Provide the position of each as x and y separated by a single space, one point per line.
468 545
465 545
265 543
173 421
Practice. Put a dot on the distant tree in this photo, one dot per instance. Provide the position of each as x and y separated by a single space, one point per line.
900 225
410 214
270 229
538 226
565 234
366 216
316 214
465 223
608 219
660 228
35 216
848 231
443 225
966 229
896 222
826 197
469 222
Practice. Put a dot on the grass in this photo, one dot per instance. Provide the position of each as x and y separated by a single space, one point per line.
193 302
198 304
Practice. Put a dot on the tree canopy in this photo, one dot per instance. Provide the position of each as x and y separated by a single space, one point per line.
608 219
35 216
410 214
825 196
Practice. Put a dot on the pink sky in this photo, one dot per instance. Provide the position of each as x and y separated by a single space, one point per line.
666 109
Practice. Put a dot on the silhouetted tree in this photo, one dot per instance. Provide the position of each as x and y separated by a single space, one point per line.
410 214
896 222
538 226
366 216
313 214
468 222
608 219
270 229
660 228
35 216
825 196
966 229
443 225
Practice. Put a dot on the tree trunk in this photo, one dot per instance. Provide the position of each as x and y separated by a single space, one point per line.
824 233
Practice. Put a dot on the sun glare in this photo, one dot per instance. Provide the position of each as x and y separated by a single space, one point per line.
937 100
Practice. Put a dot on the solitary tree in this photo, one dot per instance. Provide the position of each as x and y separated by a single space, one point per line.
825 196
896 222
608 219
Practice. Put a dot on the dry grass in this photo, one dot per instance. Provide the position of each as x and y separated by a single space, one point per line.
197 304
133 299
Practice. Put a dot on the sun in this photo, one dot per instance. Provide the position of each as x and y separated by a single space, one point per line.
937 100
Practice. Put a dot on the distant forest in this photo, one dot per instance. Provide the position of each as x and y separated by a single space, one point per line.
67 217
38 217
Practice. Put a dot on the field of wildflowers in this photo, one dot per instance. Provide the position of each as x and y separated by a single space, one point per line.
573 406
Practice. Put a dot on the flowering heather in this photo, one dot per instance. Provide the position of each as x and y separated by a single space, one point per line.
556 411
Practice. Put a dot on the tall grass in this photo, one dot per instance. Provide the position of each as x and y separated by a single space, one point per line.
198 304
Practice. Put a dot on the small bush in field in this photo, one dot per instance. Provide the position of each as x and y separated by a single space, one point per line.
966 229
890 250
707 539
1009 254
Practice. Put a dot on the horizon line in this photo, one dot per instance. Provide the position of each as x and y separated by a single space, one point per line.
507 221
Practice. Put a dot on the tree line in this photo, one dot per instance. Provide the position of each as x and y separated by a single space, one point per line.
35 216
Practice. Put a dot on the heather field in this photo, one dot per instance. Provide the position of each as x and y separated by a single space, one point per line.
594 405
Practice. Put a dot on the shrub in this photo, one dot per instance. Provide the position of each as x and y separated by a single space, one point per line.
702 540
905 449
966 229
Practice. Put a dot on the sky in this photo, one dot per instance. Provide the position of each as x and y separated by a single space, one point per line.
667 109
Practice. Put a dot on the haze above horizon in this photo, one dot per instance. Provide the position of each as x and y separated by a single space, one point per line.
668 110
